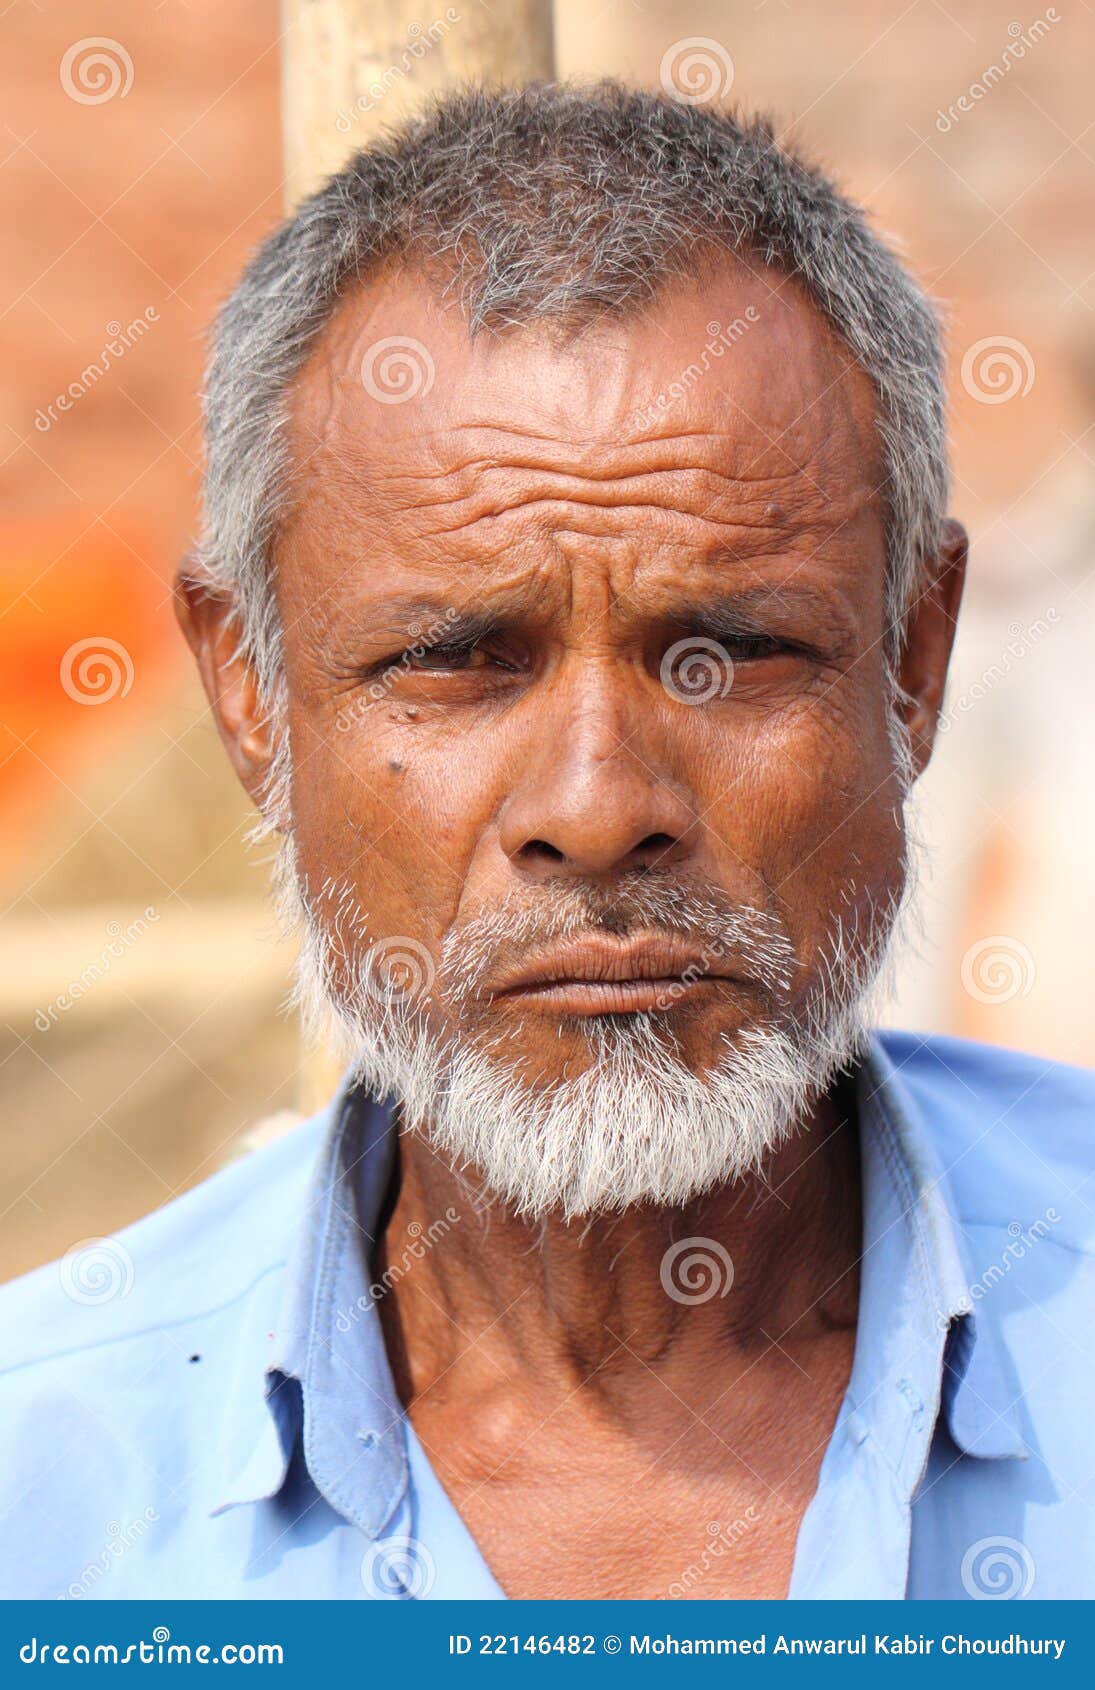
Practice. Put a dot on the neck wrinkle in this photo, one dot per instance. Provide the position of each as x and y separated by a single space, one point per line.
596 1304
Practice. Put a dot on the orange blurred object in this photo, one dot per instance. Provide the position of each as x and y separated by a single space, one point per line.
87 643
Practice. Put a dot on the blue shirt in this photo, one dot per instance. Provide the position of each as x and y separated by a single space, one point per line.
203 1405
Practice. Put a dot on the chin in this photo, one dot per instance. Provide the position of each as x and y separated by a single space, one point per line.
696 1032
631 1122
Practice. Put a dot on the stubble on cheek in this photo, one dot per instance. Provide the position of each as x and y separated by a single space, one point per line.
823 820
378 859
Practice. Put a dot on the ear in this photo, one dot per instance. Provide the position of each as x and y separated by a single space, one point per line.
929 637
210 623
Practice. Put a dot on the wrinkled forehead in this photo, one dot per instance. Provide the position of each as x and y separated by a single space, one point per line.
736 370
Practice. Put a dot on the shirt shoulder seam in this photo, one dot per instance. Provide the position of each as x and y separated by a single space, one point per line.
1058 1243
142 1331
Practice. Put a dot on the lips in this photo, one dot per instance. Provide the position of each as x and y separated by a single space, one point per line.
600 975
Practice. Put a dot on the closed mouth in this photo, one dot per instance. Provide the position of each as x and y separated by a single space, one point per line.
598 974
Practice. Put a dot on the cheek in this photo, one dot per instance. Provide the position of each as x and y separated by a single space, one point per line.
814 806
374 808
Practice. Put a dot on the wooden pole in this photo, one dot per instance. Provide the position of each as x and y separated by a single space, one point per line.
350 67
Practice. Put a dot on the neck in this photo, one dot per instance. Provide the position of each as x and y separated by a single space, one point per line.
596 1304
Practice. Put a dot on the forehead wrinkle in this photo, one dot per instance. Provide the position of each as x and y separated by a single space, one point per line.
651 562
538 577
453 452
592 455
580 460
493 561
631 587
487 525
377 455
666 498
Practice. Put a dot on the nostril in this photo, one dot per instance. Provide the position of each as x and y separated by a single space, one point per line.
656 842
539 849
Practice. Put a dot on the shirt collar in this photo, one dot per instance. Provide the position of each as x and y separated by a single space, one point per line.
920 1359
921 1351
910 1218
326 1382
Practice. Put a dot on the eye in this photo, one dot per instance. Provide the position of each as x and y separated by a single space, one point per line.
441 657
750 648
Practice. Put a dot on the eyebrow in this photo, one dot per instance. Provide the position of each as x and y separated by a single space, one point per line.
446 624
734 614
749 611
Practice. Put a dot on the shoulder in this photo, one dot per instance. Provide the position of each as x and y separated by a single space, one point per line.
197 1256
132 1378
1008 1140
1014 1132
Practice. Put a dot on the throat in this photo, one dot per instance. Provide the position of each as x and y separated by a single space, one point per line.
599 1400
591 1303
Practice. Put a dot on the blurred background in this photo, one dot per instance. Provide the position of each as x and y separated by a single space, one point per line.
143 156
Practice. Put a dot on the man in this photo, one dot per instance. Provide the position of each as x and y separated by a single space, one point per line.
575 600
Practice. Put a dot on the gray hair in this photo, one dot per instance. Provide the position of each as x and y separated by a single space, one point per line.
558 202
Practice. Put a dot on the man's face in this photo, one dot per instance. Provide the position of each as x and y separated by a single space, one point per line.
538 533
589 627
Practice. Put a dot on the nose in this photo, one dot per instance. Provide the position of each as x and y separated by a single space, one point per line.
595 797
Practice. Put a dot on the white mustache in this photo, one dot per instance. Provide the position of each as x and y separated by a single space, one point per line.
636 1124
755 938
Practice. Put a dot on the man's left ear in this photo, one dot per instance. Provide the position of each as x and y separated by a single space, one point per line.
928 641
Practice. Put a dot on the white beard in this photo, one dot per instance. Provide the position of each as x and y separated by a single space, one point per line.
636 1125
